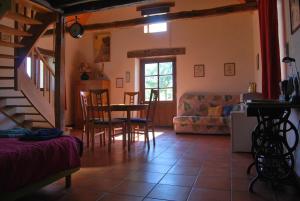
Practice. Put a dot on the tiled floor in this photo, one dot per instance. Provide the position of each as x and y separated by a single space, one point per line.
180 167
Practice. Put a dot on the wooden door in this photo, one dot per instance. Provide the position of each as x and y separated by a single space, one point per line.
160 73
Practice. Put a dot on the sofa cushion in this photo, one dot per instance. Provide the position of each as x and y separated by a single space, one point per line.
215 111
201 120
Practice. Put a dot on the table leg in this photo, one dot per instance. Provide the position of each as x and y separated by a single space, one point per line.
128 128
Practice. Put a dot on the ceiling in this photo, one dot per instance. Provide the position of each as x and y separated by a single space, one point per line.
71 7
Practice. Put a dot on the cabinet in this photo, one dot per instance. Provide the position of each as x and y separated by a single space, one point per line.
86 85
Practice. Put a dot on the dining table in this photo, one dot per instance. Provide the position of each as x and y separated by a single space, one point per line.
128 108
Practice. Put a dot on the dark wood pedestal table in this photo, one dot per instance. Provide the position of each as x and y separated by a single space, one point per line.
274 140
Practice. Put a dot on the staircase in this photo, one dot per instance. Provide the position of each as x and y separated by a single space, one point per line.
26 88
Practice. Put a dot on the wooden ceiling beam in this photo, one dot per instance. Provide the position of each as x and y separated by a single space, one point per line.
93 6
171 17
175 16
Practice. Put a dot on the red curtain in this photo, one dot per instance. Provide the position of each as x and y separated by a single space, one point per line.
268 23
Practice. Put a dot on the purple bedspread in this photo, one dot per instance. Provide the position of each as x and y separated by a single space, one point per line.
25 162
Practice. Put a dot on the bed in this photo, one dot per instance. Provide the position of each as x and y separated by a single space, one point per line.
26 166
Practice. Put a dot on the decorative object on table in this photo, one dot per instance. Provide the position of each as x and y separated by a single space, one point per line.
229 69
99 71
295 15
84 69
199 70
293 81
252 87
119 82
127 77
76 30
5 37
102 47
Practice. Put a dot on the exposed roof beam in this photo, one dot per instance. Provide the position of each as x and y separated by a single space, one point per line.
172 16
47 5
94 6
175 16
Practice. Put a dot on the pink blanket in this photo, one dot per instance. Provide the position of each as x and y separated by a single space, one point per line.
25 162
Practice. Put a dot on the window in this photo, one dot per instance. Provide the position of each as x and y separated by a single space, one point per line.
28 66
41 74
155 28
159 75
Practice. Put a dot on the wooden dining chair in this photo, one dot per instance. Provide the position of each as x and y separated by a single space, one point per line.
143 125
129 98
88 120
104 121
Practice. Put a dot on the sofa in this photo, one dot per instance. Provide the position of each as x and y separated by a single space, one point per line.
201 113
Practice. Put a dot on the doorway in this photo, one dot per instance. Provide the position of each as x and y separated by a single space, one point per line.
160 74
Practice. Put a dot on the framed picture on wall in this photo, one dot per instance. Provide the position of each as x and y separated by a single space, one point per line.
101 47
295 15
119 82
229 69
199 70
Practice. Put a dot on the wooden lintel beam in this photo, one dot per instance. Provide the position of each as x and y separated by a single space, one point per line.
155 52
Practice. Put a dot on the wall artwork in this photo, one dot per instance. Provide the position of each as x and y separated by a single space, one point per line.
119 82
102 47
229 69
199 70
295 15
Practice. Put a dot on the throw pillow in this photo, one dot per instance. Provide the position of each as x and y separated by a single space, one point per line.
215 111
227 109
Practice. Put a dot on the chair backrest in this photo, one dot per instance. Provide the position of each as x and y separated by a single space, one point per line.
85 99
152 105
131 97
100 97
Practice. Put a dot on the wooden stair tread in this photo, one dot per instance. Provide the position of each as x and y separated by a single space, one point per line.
16 32
21 18
6 67
32 120
7 78
28 113
5 97
10 106
13 45
6 56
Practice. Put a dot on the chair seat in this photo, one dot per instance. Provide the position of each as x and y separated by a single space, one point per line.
138 120
106 121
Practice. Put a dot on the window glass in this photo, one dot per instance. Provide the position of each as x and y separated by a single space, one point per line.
155 27
41 74
166 94
151 69
165 68
166 81
28 66
151 82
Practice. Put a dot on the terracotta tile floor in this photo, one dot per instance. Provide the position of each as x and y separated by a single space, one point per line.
180 167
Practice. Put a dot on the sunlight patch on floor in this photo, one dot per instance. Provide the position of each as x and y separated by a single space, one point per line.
140 137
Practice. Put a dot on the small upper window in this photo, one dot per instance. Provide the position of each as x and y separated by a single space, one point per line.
153 10
156 27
